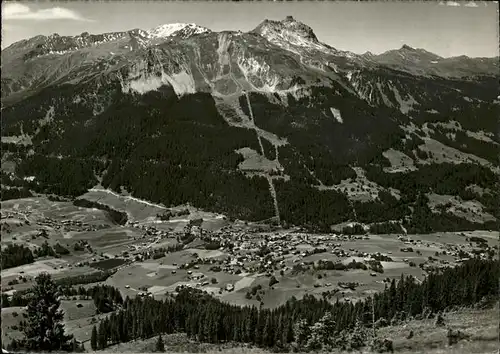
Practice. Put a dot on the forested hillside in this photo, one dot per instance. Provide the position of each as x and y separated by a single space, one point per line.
167 122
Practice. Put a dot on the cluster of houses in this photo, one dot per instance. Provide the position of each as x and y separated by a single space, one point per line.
69 225
20 217
248 252
251 252
152 231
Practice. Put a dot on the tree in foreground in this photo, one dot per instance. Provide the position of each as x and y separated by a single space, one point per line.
160 346
93 338
322 333
44 330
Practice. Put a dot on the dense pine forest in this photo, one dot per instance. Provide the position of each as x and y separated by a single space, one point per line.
14 255
295 325
175 150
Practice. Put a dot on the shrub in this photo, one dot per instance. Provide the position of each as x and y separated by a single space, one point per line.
455 335
380 345
273 281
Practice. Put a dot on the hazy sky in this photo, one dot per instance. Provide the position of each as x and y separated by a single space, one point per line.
446 28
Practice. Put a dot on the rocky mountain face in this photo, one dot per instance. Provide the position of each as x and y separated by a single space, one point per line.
266 125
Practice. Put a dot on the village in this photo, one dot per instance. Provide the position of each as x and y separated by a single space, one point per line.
240 263
157 256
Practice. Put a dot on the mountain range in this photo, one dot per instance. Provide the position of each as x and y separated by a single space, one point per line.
270 124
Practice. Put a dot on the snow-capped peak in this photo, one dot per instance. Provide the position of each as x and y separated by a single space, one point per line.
170 29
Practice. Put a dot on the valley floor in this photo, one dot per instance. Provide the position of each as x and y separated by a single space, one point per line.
33 221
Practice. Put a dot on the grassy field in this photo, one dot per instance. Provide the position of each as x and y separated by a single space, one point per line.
480 325
399 161
256 162
11 317
358 188
108 263
142 211
443 153
180 343
77 309
469 210
42 207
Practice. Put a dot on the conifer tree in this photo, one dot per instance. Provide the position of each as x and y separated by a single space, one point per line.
301 332
160 346
44 330
74 345
101 336
267 332
93 338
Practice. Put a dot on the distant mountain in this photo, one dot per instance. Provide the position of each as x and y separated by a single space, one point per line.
44 60
271 124
176 29
422 62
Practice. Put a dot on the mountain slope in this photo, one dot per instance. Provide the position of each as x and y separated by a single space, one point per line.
269 124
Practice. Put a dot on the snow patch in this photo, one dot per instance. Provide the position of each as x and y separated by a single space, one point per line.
336 115
170 29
